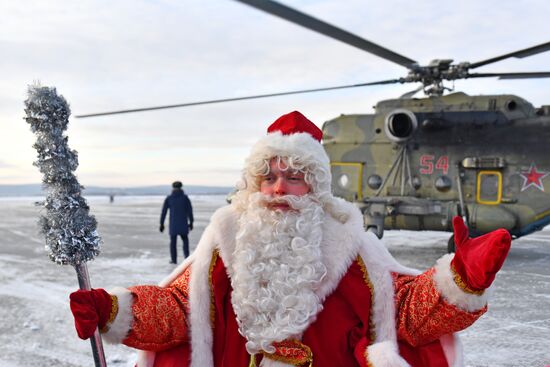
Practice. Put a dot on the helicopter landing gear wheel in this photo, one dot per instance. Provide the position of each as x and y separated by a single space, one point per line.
451 247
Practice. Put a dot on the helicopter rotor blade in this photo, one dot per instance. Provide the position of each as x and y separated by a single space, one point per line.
307 21
526 52
381 82
528 75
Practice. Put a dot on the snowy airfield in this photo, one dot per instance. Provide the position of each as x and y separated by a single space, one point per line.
37 326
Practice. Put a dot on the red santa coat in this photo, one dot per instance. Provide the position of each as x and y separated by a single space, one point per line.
375 311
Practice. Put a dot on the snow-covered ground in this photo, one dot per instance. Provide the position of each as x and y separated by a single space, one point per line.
37 326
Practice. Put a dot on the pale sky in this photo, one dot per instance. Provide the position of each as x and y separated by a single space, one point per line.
107 55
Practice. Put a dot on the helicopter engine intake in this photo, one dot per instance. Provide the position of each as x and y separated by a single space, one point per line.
400 125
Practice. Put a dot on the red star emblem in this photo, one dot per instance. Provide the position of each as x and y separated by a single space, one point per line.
532 177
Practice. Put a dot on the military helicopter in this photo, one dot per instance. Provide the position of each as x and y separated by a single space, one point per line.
417 162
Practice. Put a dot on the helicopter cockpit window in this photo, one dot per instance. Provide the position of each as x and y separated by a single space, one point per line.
489 187
347 180
343 181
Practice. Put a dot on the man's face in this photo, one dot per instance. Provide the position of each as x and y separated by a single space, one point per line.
282 181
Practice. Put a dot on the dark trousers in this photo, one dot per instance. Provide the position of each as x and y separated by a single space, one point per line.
174 250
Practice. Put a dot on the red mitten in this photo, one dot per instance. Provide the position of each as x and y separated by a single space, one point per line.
477 260
91 309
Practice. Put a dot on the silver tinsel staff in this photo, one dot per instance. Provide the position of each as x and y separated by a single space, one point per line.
70 231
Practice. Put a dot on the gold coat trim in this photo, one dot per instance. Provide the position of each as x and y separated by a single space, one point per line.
215 255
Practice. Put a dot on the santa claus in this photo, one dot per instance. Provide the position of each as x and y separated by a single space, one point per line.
287 276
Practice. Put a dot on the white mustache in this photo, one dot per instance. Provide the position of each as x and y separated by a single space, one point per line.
293 201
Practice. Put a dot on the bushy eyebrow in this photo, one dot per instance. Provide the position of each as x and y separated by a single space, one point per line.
295 173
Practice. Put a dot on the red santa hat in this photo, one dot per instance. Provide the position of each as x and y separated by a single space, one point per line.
294 137
294 122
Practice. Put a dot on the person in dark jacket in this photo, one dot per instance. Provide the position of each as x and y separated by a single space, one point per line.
181 219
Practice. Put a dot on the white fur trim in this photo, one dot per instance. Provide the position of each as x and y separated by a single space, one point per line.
452 348
124 319
225 223
199 302
385 354
459 351
302 145
445 284
379 255
339 246
145 358
380 264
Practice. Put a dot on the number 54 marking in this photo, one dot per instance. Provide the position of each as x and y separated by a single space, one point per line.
427 164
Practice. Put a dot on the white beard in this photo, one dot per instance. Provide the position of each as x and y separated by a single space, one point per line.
277 268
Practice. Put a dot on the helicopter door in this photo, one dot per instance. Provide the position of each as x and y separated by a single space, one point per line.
489 187
347 180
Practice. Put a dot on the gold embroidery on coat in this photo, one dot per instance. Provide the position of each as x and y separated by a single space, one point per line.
371 288
215 255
